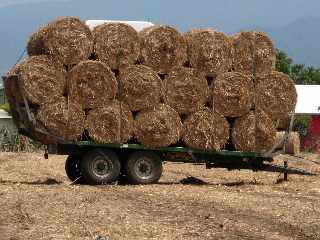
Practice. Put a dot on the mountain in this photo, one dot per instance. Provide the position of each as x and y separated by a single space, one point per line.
300 40
287 21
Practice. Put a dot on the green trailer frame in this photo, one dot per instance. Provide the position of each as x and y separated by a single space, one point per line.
90 161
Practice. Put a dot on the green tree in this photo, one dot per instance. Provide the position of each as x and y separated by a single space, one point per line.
298 72
283 63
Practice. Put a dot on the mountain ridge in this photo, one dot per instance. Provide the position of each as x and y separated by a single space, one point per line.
296 33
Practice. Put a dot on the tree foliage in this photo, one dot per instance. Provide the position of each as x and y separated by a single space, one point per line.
298 72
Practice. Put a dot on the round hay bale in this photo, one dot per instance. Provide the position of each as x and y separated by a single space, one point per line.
186 90
140 87
112 123
41 79
293 143
209 51
243 44
92 83
162 47
68 40
116 44
275 94
158 127
265 53
254 53
233 94
36 44
62 118
254 132
205 130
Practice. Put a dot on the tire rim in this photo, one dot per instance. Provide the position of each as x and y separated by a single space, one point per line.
101 167
143 168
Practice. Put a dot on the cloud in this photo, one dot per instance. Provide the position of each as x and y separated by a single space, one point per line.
5 3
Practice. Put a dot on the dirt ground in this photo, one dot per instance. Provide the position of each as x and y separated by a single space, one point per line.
38 202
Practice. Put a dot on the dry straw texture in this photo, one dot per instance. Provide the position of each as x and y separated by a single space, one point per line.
162 48
265 53
41 80
186 90
36 44
112 123
254 53
206 130
116 44
209 51
275 94
158 127
68 40
62 119
92 84
233 94
140 87
254 132
293 142
243 52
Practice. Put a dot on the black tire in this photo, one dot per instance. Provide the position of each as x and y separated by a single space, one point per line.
72 168
143 168
100 167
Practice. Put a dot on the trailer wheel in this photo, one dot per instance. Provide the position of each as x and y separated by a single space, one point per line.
143 168
72 168
100 167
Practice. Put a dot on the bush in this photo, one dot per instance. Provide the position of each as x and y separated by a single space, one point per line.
5 107
301 124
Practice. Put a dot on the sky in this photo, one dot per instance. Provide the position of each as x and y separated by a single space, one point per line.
19 18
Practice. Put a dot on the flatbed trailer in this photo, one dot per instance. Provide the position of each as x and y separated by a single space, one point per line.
94 163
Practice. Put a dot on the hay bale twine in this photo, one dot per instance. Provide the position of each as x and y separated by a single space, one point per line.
233 94
116 44
254 53
41 79
68 40
186 90
209 51
206 130
162 47
140 87
254 132
112 123
275 94
158 127
62 118
92 83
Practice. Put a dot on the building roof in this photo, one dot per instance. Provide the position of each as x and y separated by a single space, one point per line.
308 99
4 115
137 25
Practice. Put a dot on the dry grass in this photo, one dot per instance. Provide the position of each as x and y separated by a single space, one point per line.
38 202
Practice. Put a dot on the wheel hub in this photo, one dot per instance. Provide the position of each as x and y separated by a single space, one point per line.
102 167
143 168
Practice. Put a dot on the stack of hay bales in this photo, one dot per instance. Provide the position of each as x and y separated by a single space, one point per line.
157 87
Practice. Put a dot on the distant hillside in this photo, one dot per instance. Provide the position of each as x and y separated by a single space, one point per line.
300 39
